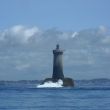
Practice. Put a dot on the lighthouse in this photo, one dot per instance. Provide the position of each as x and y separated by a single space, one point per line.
57 64
58 70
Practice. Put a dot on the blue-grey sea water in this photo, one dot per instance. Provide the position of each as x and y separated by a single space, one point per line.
84 96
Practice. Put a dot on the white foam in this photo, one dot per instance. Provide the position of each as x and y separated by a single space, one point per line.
51 84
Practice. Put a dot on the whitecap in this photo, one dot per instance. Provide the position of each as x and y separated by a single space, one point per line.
50 84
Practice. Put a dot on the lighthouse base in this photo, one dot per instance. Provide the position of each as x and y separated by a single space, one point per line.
67 82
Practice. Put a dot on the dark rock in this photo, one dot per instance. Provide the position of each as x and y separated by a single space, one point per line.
68 82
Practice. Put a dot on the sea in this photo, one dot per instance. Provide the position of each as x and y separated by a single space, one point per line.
25 95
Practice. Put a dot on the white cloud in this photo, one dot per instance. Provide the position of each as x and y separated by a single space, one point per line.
64 36
19 33
17 29
67 35
30 32
102 29
74 34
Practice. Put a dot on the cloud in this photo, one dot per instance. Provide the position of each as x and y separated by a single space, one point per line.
28 50
64 36
102 29
74 34
106 40
19 34
22 66
24 33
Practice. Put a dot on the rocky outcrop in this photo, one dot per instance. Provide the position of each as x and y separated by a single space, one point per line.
67 82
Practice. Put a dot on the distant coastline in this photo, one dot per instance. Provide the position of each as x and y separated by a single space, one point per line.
92 83
38 81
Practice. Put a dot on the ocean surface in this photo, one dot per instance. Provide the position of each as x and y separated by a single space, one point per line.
86 95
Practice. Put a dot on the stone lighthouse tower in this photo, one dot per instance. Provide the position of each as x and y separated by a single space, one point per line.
58 70
57 64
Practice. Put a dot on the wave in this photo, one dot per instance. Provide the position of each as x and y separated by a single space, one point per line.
51 84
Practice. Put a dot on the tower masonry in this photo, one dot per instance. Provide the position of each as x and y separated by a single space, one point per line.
57 64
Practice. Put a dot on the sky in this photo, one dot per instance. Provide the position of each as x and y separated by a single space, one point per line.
63 14
30 30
